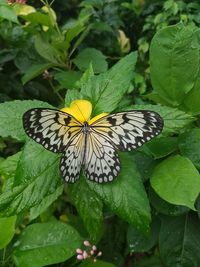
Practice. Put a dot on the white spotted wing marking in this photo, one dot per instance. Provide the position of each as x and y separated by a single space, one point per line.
72 158
101 160
129 130
51 128
95 147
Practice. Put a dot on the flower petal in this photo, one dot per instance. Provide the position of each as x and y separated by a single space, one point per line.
97 117
80 110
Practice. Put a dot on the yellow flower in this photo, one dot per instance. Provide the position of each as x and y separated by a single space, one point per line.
82 110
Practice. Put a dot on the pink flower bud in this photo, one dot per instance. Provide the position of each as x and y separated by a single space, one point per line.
85 255
91 252
87 243
94 248
79 257
79 251
99 254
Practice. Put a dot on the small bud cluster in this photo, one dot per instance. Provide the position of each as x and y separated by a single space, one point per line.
23 2
47 75
89 252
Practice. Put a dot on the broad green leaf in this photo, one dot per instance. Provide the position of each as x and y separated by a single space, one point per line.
42 244
38 18
86 77
89 207
165 207
179 241
174 119
98 263
68 79
45 203
91 56
126 196
145 164
37 176
160 147
7 12
105 91
72 95
189 145
47 50
140 243
191 103
7 230
9 165
11 114
34 71
174 62
177 181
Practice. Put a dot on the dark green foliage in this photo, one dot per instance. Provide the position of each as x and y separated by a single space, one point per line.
119 55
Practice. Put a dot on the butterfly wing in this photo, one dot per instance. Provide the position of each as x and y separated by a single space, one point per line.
129 130
51 128
101 161
72 158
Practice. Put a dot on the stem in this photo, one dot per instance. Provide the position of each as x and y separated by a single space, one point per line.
55 91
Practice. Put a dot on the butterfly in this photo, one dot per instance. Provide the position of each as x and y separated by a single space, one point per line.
92 146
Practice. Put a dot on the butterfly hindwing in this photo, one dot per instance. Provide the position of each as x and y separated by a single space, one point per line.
129 130
101 160
51 128
72 159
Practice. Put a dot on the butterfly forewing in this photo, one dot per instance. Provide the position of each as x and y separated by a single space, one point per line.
129 130
101 159
51 128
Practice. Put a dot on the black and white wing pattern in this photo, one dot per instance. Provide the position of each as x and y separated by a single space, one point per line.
51 128
72 158
101 161
129 130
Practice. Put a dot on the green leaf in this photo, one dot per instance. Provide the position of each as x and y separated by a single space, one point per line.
67 79
160 147
174 119
7 230
105 91
11 117
72 95
46 50
93 56
140 243
189 145
182 246
145 164
86 77
6 12
45 203
9 165
174 62
37 176
164 207
126 196
191 103
89 207
42 244
177 181
35 70
38 18
98 263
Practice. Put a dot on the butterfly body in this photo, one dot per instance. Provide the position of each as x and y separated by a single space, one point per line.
91 145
